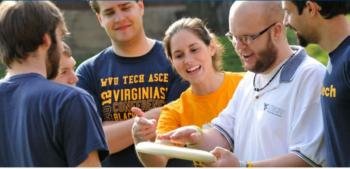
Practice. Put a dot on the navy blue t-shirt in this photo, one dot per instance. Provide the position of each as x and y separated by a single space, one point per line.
119 83
47 124
336 106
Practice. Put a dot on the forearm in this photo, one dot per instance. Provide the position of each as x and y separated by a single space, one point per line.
208 143
118 135
288 160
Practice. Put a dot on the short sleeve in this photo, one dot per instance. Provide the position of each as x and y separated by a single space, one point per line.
169 118
306 124
81 129
87 82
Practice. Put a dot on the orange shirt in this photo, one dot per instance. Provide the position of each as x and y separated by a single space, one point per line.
191 109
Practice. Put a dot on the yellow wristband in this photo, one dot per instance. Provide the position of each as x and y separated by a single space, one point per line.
249 164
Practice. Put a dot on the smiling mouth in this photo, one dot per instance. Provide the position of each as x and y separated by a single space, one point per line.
245 56
193 69
122 27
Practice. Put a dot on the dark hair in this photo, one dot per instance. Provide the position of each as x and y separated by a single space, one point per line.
95 7
23 25
329 9
197 27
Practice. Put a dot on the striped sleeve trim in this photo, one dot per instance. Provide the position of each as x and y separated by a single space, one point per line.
306 159
225 134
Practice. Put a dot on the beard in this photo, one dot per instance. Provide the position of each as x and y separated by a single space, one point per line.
302 41
267 57
52 60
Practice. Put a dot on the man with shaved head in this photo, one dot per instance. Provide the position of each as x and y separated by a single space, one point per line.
274 118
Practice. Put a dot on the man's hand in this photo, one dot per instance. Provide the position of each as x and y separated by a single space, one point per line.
143 129
188 135
224 157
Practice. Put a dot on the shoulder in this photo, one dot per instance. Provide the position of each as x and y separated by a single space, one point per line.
178 103
311 65
65 93
301 65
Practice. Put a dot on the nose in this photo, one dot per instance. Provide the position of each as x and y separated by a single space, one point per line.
118 16
239 45
286 20
73 79
188 59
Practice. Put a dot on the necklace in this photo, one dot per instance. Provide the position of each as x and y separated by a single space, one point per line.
273 77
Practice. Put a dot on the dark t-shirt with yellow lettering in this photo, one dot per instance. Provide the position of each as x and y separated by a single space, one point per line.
119 83
336 106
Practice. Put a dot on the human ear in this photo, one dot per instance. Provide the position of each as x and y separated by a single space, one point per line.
46 40
312 8
212 48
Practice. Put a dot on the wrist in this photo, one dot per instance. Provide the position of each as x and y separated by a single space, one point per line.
199 133
243 164
247 164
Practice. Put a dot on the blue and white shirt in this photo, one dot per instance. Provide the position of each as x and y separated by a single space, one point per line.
284 117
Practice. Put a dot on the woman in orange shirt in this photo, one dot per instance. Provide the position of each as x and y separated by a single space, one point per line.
196 55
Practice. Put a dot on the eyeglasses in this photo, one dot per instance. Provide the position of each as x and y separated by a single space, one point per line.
246 39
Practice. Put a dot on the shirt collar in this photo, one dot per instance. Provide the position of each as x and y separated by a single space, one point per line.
292 65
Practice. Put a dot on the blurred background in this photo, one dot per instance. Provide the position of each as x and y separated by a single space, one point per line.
88 38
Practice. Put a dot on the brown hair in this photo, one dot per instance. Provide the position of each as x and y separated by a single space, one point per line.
67 50
197 27
95 7
23 25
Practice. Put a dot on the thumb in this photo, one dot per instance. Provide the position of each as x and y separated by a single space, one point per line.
137 111
195 137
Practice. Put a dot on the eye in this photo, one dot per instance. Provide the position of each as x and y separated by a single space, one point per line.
178 56
126 7
194 50
108 13
63 72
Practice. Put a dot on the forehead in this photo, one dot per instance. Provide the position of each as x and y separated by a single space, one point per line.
246 22
183 37
67 61
110 4
284 3
287 5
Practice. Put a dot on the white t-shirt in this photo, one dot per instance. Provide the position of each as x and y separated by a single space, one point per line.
284 117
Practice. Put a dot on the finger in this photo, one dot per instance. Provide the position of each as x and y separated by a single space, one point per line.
217 152
145 122
137 111
146 134
195 137
150 135
165 136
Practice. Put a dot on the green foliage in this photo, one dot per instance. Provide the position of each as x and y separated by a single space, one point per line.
2 71
316 52
230 60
